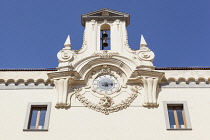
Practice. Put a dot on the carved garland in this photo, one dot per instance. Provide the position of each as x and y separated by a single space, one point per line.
105 108
106 54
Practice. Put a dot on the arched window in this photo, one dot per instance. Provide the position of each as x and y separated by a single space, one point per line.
105 37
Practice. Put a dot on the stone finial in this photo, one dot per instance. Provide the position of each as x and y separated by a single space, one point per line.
143 43
67 44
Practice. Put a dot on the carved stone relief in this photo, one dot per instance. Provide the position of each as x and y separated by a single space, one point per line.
106 102
107 106
150 80
106 54
62 88
150 91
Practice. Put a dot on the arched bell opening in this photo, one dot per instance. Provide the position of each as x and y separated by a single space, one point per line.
105 37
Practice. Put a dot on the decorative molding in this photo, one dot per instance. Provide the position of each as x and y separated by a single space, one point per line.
95 62
4 87
62 89
126 45
65 55
146 55
16 84
105 21
185 85
93 24
106 106
150 80
84 44
136 88
106 101
62 74
152 73
97 15
188 79
150 91
105 70
106 54
63 81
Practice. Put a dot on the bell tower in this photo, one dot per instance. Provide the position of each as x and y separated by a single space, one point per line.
106 75
105 29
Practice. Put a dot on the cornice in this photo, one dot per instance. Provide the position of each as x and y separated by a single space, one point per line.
147 73
29 69
63 74
10 84
182 68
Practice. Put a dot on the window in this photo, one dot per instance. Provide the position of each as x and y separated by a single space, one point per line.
37 116
176 115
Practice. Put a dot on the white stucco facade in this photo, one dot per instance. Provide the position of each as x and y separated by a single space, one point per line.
105 94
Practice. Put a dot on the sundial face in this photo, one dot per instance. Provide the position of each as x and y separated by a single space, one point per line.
105 84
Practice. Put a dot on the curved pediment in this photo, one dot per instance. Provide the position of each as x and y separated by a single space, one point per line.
83 67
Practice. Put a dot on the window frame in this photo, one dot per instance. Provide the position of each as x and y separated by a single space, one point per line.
28 114
186 114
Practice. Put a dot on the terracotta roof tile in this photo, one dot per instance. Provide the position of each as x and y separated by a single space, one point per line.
157 68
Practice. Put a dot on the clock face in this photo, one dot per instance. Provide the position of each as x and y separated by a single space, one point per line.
105 84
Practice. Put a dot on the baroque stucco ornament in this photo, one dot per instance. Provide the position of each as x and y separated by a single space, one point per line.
130 72
146 55
104 102
105 70
106 54
65 55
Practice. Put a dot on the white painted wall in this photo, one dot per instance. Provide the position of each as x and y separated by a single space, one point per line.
80 123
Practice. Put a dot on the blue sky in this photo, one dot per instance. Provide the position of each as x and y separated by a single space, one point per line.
32 32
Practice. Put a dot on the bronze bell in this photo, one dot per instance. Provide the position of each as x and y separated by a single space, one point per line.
104 35
105 44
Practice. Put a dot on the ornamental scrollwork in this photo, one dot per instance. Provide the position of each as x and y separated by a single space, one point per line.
105 70
106 106
136 88
96 96
106 54
127 47
84 44
65 55
146 55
